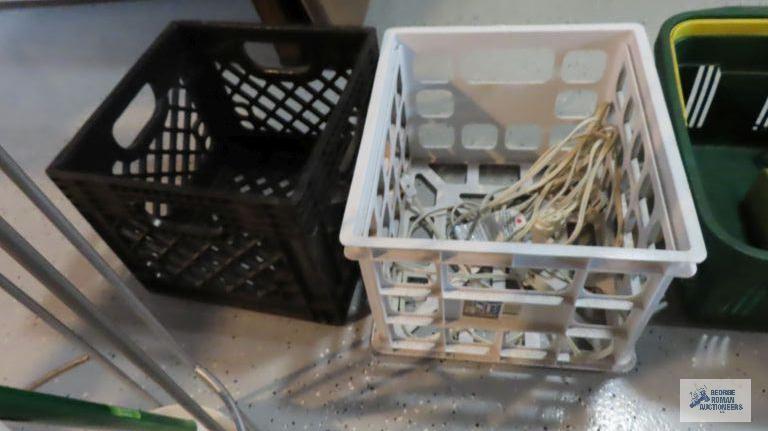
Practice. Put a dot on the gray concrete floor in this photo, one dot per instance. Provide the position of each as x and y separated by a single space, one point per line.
58 63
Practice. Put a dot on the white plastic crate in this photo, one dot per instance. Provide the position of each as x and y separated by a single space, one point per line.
464 110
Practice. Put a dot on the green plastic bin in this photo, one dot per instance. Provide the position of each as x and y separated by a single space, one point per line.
713 66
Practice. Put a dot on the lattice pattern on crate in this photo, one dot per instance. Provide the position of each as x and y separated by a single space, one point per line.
280 185
643 202
235 263
442 185
272 175
238 263
545 316
176 148
282 106
454 113
389 209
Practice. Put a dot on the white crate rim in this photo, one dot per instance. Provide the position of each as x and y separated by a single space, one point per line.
696 253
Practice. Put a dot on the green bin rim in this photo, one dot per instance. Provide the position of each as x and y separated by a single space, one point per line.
667 73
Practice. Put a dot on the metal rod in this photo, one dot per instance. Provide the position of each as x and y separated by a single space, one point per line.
27 301
29 258
27 406
41 201
218 387
30 189
242 423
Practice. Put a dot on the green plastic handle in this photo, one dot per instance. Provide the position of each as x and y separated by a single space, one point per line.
25 406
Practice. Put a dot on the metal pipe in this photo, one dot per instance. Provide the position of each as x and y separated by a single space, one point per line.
27 301
41 201
30 189
29 258
241 421
230 403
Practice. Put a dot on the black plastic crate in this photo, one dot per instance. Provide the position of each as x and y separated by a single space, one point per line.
232 191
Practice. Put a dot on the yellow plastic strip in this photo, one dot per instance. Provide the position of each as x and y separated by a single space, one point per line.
711 27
